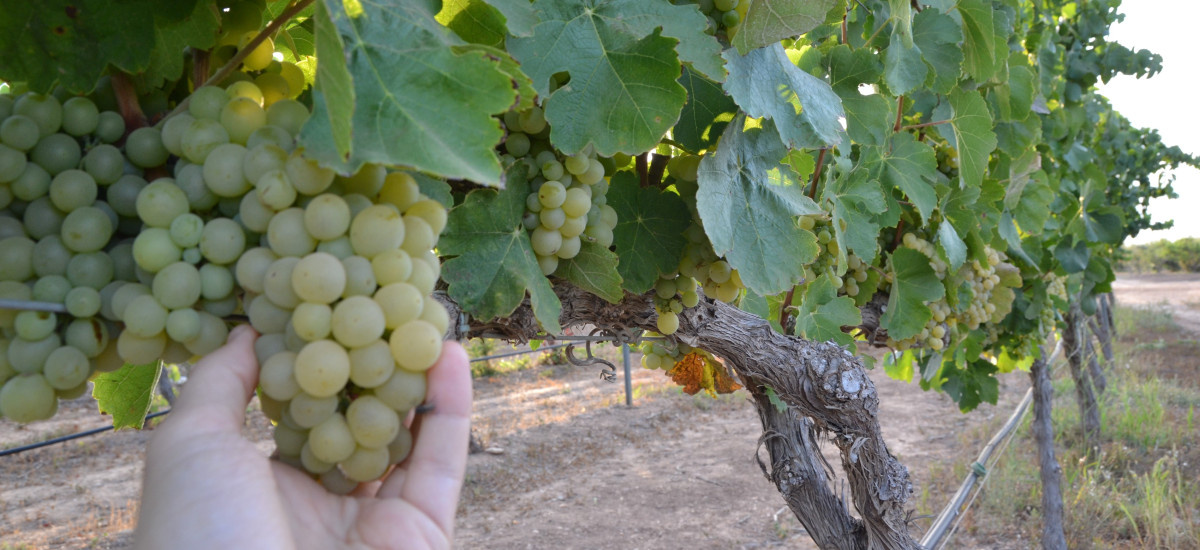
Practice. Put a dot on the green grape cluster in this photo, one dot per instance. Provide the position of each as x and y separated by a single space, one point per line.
826 262
336 273
656 355
240 22
1056 286
672 293
713 274
723 15
978 278
568 202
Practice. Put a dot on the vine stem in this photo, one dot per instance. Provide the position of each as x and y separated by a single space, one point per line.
925 125
845 16
642 167
237 58
899 114
812 189
783 310
127 102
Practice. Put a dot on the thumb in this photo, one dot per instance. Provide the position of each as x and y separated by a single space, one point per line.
220 385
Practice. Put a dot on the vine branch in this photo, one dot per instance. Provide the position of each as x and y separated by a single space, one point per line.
812 189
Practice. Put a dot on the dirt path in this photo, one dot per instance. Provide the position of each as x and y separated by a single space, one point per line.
1179 292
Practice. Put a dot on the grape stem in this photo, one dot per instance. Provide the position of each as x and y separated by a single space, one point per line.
783 310
245 51
899 114
812 188
200 59
925 124
642 170
658 164
127 102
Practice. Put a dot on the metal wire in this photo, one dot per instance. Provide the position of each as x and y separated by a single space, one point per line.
30 305
65 438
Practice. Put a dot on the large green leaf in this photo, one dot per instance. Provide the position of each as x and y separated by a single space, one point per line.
913 284
855 199
904 69
973 134
822 314
126 394
705 114
971 386
748 202
979 39
938 37
519 15
594 270
171 37
494 262
620 56
474 21
333 87
72 42
911 166
869 118
769 21
443 126
649 233
766 84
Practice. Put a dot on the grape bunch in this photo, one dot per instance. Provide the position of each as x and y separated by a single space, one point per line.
568 200
723 15
1056 286
240 23
826 261
978 278
656 355
336 273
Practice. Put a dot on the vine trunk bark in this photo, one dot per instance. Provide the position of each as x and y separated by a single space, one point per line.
818 381
1076 349
1053 537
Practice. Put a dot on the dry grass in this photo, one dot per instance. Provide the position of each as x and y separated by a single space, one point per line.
1142 490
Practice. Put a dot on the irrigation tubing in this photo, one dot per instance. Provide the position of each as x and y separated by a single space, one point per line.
87 433
65 438
948 519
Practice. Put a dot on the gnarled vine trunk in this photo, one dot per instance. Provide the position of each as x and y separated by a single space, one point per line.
820 381
1053 537
1075 346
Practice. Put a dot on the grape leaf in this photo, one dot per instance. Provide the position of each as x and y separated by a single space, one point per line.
444 126
197 30
333 87
938 36
868 117
519 16
854 198
1031 208
594 270
899 366
913 284
768 21
649 232
911 166
705 114
72 41
699 370
620 55
904 69
474 21
748 202
971 386
766 84
524 86
973 134
953 249
494 261
126 394
822 314
979 39
434 188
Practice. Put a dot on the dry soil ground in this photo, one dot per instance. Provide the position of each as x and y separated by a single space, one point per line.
569 465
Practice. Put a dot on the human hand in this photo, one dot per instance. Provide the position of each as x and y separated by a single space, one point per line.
207 487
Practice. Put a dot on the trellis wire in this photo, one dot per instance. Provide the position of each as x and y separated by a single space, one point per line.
65 438
948 519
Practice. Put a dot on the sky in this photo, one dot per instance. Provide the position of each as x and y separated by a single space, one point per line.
1166 101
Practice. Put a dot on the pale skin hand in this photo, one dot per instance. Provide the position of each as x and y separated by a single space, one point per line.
207 487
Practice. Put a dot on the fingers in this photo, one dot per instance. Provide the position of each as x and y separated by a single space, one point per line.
433 473
220 385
